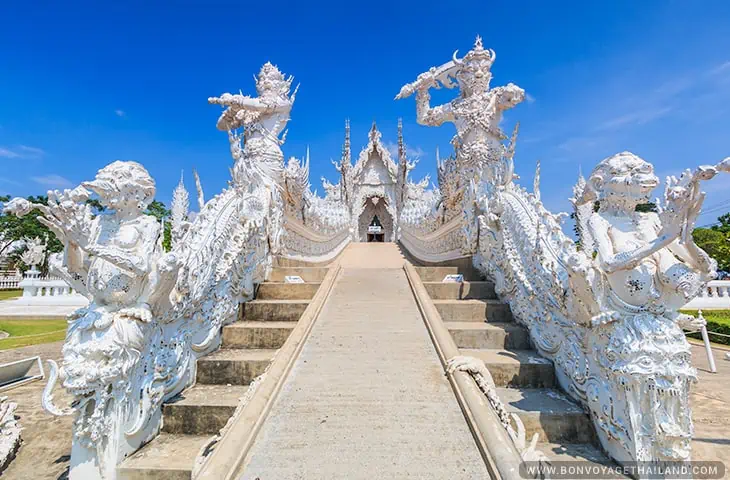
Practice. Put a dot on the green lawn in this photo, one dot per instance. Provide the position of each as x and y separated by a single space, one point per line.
33 331
8 294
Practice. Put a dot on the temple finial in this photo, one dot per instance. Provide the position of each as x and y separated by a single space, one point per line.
401 143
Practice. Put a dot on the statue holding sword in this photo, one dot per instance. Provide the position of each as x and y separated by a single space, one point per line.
476 112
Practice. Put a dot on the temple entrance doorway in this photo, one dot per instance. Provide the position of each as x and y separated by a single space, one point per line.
375 223
375 231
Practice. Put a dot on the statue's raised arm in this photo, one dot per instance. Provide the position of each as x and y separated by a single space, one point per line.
273 102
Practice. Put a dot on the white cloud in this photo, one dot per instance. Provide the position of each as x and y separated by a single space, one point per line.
725 66
7 153
529 98
53 180
120 113
9 181
21 151
35 151
638 117
578 144
412 153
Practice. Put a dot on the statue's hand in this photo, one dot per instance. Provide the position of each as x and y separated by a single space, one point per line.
18 207
671 229
689 322
466 364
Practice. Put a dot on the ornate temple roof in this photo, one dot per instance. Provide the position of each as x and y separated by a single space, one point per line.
376 147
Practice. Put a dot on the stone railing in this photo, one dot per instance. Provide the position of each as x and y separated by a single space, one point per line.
302 242
10 283
715 296
47 290
444 243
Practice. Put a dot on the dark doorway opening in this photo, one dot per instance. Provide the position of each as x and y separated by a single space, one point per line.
375 231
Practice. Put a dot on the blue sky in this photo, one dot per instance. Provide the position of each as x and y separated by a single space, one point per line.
85 83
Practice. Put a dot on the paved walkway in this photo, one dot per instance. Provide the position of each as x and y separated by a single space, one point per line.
16 308
710 400
367 398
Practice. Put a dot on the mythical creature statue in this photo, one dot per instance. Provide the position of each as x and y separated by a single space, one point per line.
259 161
605 313
476 112
263 120
151 313
645 266
115 260
35 250
296 187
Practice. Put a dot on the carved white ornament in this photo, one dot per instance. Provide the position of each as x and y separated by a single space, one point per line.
9 432
34 253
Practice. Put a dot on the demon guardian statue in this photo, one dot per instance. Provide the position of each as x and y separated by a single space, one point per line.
605 313
153 313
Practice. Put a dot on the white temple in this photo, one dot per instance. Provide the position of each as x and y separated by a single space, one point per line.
373 188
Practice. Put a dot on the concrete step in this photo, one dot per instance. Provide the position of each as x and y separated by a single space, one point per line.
167 457
273 310
436 274
473 311
308 274
460 291
516 368
257 334
550 413
489 335
229 366
286 291
202 409
576 452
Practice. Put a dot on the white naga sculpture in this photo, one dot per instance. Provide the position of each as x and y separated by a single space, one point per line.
510 421
605 311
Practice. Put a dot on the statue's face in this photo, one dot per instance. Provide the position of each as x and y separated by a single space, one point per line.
271 82
625 175
474 77
113 197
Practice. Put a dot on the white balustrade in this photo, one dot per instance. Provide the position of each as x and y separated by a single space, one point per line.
48 290
716 295
10 282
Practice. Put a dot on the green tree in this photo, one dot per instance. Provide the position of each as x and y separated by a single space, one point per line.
158 210
716 241
13 229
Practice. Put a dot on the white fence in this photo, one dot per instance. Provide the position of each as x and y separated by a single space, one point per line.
715 296
10 282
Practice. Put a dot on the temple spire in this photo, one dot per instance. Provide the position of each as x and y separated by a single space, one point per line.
401 144
346 149
373 131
